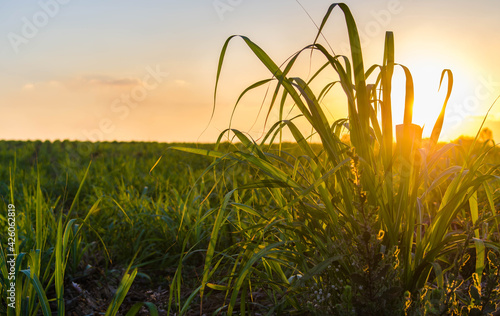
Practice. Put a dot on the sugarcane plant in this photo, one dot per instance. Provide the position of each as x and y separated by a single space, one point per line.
365 200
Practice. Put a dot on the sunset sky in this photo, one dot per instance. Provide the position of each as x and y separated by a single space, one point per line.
145 70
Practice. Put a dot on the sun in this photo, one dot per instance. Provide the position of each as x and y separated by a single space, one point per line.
428 100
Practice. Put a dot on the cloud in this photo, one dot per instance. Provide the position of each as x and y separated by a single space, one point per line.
30 86
109 81
85 82
181 83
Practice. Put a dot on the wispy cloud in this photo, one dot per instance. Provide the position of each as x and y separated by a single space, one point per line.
181 82
85 82
103 80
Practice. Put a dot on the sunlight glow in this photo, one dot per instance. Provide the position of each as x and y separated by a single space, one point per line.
429 98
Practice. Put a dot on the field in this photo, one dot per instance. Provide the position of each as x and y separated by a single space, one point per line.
155 220
364 221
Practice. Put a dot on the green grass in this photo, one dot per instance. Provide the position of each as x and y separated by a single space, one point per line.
365 226
74 209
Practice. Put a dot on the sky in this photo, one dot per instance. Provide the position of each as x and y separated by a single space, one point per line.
145 70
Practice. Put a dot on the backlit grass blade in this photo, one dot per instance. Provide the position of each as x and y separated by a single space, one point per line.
68 231
250 145
279 86
219 220
11 183
242 275
121 209
474 211
436 131
481 127
39 216
121 292
271 66
409 97
199 151
360 118
480 254
75 199
271 170
319 121
347 86
386 106
491 204
156 163
250 88
59 269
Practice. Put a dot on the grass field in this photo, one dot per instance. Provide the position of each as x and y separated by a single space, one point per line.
363 222
159 218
